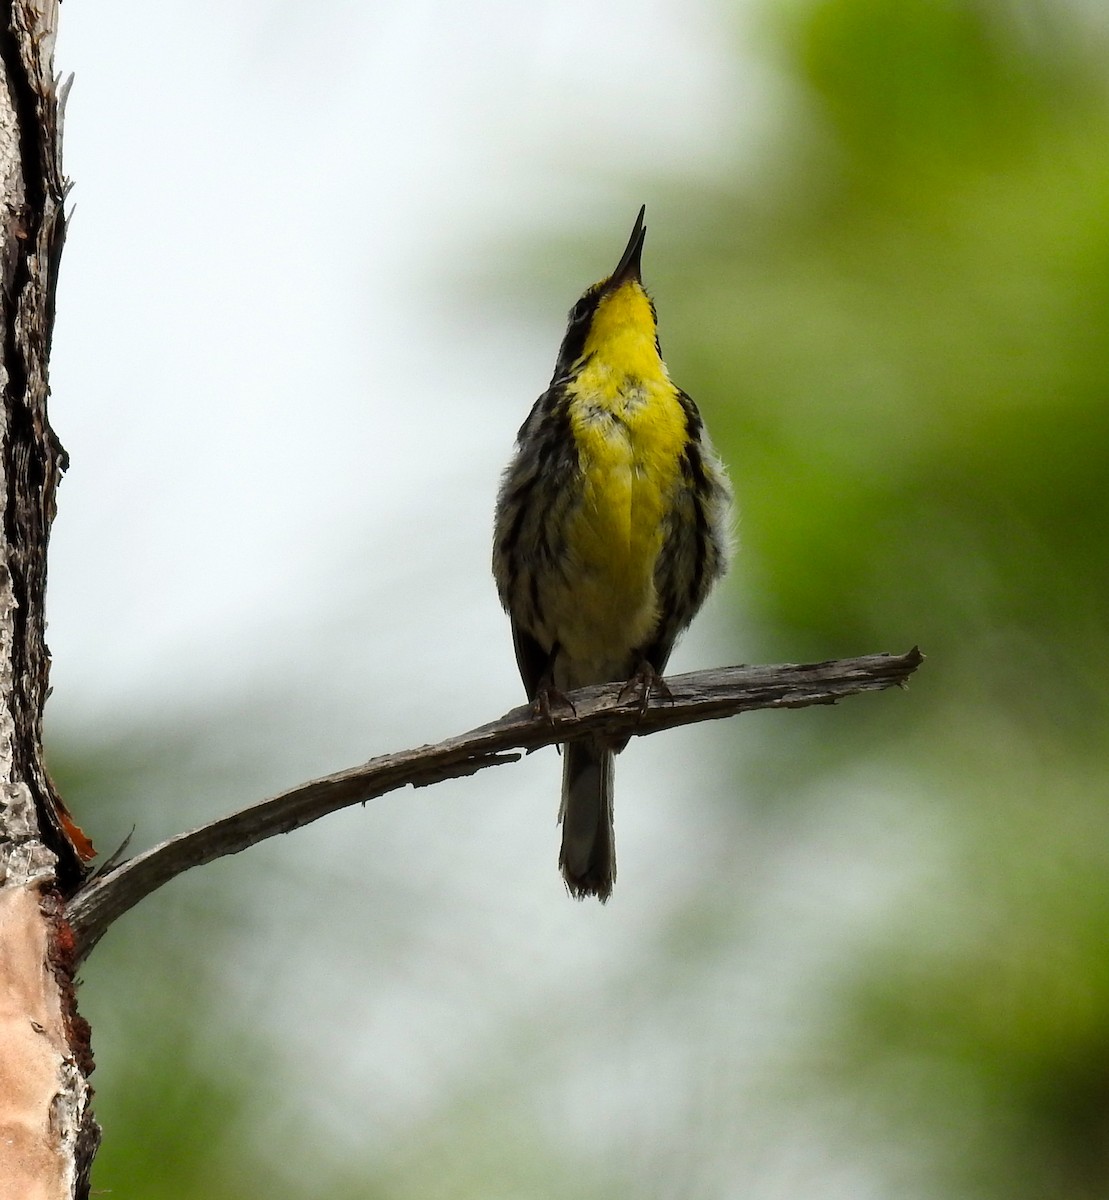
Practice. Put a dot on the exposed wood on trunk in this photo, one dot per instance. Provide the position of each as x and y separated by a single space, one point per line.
47 1135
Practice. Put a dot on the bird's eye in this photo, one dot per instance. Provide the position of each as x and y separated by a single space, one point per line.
580 310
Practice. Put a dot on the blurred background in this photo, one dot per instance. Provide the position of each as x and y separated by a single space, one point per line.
317 273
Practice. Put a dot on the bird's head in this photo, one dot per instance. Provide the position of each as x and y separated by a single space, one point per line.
615 319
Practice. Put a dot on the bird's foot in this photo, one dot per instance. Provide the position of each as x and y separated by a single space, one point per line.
642 684
547 700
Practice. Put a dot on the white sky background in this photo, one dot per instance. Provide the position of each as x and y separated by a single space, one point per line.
286 413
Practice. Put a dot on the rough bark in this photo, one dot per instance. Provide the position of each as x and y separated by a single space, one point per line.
47 1135
699 696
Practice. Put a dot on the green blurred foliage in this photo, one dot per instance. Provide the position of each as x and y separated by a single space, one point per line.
904 351
906 357
175 1075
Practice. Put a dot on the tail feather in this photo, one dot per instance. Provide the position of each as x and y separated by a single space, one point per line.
588 855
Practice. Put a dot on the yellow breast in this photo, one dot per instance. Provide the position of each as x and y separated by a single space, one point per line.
629 435
630 432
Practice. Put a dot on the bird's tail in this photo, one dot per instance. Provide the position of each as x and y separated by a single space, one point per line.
588 855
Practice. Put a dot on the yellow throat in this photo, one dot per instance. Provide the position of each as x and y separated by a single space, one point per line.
630 431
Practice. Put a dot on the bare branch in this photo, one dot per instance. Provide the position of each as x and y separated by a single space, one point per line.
699 696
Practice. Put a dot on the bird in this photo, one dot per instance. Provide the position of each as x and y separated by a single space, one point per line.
613 520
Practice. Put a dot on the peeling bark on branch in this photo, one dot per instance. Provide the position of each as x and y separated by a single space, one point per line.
47 1135
700 696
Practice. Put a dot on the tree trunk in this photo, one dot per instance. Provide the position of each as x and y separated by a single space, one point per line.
47 1135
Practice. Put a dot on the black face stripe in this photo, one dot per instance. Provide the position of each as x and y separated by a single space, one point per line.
577 330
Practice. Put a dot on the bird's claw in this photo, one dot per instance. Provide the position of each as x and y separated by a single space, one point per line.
645 681
547 699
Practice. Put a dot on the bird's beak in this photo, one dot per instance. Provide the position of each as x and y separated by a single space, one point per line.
628 266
